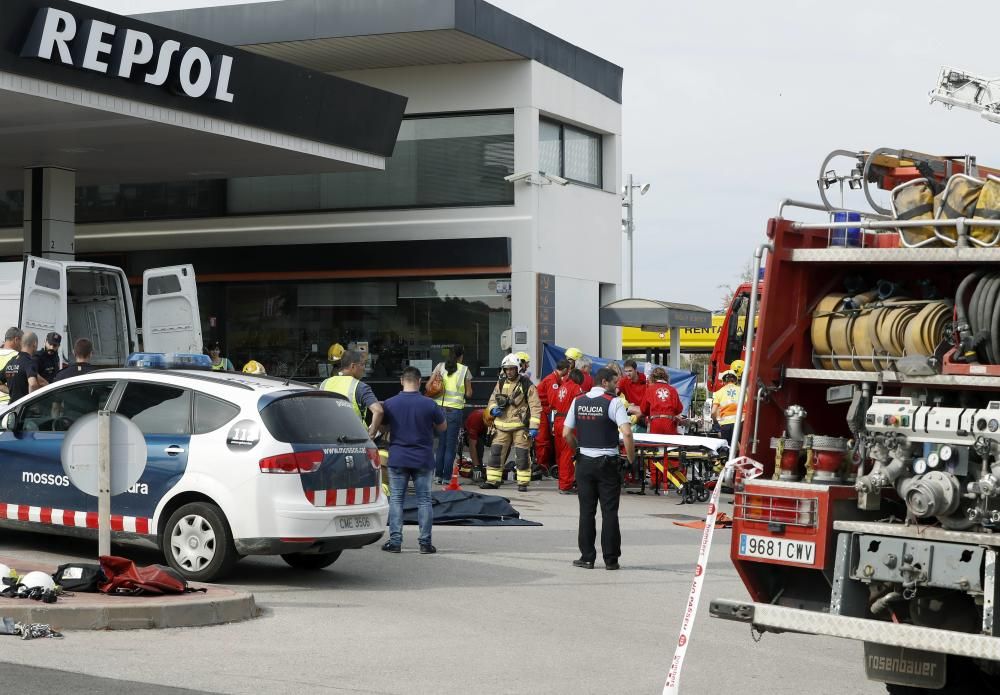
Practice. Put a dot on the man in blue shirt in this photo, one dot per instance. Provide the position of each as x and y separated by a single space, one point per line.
412 419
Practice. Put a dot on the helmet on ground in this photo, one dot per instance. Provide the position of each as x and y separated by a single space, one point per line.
5 572
36 578
728 374
335 352
510 361
523 356
573 353
737 366
254 367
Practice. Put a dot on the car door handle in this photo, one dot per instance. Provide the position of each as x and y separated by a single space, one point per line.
173 450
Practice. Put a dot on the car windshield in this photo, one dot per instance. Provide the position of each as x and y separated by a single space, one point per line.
313 418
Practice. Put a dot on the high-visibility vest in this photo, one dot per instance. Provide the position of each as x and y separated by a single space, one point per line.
453 388
5 357
346 386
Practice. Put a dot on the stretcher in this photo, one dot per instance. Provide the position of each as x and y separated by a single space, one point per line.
695 459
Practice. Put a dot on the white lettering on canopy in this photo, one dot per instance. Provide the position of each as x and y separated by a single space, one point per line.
100 47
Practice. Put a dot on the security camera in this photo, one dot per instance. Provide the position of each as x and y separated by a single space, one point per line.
520 176
558 180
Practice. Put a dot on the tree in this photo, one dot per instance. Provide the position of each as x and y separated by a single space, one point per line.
728 290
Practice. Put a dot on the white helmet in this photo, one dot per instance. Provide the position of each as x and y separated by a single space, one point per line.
510 361
5 571
36 578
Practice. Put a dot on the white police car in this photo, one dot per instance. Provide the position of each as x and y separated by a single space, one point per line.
237 465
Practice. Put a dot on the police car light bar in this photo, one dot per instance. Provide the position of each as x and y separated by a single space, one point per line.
169 360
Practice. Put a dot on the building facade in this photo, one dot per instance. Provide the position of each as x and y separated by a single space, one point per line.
439 248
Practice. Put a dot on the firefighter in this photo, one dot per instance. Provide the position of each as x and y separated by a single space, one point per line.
517 415
525 364
561 402
725 403
737 366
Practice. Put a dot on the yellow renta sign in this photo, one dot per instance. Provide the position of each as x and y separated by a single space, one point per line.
692 339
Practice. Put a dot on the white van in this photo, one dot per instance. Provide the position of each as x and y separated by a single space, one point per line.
91 300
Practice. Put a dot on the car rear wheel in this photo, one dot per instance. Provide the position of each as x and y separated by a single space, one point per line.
197 542
313 561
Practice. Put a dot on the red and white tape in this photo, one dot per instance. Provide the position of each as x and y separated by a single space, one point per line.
749 469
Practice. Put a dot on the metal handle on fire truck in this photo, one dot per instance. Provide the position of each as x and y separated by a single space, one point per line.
866 170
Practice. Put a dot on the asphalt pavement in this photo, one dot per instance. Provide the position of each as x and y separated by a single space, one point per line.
497 610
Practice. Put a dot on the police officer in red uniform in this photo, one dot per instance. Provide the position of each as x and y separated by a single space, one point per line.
547 389
568 390
598 417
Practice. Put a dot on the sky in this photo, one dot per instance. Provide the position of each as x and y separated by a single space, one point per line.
731 106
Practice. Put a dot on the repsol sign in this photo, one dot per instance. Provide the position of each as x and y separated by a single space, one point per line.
130 54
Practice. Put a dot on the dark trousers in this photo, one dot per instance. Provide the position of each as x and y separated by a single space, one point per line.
598 479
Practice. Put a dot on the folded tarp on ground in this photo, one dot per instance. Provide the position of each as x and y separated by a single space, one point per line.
461 508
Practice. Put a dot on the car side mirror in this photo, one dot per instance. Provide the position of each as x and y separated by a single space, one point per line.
9 422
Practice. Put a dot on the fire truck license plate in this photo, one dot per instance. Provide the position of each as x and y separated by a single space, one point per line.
354 523
799 552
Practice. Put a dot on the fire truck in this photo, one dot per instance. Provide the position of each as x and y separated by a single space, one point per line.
872 397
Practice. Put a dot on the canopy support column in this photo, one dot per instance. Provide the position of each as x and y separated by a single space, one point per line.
50 213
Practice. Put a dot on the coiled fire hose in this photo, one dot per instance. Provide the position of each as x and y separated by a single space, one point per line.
978 317
848 334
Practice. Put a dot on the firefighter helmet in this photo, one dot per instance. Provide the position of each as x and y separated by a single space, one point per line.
737 366
335 352
573 353
523 357
254 367
510 361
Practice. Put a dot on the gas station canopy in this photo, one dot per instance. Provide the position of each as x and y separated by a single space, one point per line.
119 100
654 315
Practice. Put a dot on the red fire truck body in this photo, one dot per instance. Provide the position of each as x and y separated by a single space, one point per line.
878 514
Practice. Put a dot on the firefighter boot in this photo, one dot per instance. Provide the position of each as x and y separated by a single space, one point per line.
494 469
522 460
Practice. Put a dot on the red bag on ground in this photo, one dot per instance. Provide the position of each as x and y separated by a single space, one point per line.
123 577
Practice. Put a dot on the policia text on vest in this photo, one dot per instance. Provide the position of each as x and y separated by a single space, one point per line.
594 423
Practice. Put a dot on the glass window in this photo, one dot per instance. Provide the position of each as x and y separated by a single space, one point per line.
570 152
150 201
163 284
550 147
288 326
211 413
438 161
157 408
315 418
47 277
583 156
57 410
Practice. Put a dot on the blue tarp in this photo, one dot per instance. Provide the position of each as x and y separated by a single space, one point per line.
680 379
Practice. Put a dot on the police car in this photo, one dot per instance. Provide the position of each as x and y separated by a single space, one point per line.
236 465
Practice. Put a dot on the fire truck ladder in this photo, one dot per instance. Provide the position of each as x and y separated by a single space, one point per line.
965 90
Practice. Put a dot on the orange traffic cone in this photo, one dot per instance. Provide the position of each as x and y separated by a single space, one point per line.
453 485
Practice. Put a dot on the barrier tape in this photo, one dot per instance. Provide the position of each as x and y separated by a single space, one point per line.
749 469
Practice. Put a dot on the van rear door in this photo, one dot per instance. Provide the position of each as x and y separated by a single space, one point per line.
43 297
171 319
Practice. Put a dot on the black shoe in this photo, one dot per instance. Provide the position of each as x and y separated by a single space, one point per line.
612 565
489 486
391 547
427 549
522 488
585 564
438 481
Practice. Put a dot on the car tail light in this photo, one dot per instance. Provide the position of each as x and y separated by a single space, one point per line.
374 458
777 509
298 462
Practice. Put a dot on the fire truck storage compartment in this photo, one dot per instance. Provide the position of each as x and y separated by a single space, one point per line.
96 310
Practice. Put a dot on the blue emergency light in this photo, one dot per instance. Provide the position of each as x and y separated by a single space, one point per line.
169 360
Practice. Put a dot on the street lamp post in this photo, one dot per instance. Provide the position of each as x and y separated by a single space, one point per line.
629 203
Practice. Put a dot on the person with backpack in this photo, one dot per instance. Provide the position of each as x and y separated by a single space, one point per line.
517 415
456 386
